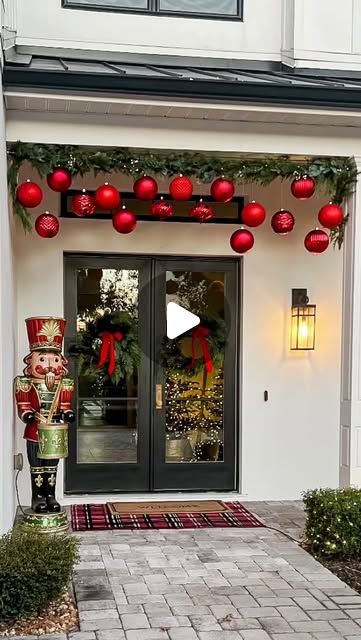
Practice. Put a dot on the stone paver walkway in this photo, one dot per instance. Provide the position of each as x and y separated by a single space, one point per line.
211 584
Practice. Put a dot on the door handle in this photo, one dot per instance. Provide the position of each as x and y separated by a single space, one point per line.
159 396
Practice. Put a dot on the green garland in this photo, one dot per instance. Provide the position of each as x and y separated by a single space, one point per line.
173 359
86 350
337 175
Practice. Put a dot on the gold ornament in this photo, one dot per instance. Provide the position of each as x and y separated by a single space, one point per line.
51 330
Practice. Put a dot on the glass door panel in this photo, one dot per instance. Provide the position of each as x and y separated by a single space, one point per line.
110 440
194 433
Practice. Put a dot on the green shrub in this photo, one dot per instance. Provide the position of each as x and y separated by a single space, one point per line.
35 569
333 525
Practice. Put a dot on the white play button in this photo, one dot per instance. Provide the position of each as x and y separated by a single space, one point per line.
179 320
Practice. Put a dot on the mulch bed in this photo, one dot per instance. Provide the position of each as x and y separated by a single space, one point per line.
347 569
61 616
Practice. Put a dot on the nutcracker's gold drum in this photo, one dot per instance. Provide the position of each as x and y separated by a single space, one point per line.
53 441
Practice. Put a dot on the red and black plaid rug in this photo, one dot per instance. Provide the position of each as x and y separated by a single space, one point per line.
98 517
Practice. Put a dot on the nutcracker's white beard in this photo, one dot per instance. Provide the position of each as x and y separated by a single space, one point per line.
50 380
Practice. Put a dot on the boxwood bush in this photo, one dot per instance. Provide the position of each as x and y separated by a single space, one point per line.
333 525
35 569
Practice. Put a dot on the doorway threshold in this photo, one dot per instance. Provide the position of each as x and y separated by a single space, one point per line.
229 496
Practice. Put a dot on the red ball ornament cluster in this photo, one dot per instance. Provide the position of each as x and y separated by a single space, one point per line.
107 197
303 188
83 204
282 222
47 225
145 188
317 241
253 214
162 210
29 194
181 188
222 190
124 221
201 212
59 180
242 240
330 216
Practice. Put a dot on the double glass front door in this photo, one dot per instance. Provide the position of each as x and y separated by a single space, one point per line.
153 413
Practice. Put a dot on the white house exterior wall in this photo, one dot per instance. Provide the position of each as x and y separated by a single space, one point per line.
303 405
300 33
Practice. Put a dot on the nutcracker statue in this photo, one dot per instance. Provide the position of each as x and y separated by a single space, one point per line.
43 398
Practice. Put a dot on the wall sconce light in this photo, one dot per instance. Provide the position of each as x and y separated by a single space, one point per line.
303 321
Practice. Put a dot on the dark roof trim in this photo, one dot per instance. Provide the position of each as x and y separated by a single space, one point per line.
182 81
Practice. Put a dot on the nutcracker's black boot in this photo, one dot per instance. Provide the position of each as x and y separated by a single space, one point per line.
53 505
38 500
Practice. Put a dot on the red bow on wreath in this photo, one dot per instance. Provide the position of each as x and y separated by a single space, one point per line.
107 350
201 334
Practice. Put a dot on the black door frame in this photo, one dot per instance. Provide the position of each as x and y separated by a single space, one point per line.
141 477
202 476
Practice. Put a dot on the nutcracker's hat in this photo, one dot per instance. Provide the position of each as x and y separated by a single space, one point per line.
45 334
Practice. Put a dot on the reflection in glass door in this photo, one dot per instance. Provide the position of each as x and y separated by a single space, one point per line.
168 422
195 426
110 443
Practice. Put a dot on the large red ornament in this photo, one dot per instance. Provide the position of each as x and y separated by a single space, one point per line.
83 204
107 197
222 190
317 241
59 179
162 210
253 214
242 240
303 188
282 222
47 225
124 221
201 212
330 216
145 188
29 194
181 188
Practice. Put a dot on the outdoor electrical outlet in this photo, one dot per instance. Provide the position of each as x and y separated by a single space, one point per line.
18 462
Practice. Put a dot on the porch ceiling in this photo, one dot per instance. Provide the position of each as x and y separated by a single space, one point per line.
37 101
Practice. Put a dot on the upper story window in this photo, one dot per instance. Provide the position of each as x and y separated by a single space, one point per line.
229 9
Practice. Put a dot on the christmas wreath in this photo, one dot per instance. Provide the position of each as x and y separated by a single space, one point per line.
108 346
202 348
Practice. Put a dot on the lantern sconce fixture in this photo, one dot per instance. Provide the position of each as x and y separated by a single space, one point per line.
303 321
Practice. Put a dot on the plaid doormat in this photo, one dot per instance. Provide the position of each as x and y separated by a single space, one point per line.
98 517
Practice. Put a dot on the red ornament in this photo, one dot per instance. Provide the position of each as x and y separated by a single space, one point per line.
282 222
107 197
330 216
201 212
253 214
222 190
124 221
317 241
59 180
303 188
47 225
29 194
145 188
83 204
181 188
242 240
162 210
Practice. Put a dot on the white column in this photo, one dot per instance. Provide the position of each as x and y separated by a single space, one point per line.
7 324
350 429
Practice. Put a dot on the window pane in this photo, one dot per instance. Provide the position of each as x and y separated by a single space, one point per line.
194 401
107 426
220 7
120 4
